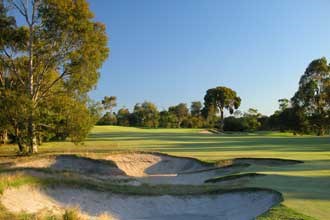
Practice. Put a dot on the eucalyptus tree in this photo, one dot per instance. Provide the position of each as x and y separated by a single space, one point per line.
123 115
313 95
52 56
220 99
109 102
181 111
146 115
284 104
196 108
251 118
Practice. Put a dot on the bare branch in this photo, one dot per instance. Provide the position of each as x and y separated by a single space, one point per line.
34 11
21 11
12 66
2 81
52 84
60 55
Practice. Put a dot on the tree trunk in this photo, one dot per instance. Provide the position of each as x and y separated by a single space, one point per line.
222 123
321 131
3 137
21 147
32 137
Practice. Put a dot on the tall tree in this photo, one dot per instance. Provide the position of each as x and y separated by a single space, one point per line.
284 104
146 115
168 119
222 98
54 55
313 95
109 102
251 119
181 111
196 108
123 117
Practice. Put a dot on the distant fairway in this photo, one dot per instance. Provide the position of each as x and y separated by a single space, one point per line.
305 186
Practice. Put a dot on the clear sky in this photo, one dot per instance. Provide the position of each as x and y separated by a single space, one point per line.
172 51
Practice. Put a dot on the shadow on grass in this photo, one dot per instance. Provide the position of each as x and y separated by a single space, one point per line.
298 187
184 141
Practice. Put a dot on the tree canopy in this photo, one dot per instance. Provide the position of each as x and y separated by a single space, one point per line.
109 102
53 57
222 98
313 95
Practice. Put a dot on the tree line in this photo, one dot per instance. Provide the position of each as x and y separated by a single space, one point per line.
50 61
196 115
307 112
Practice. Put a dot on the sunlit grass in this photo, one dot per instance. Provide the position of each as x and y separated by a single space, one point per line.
305 186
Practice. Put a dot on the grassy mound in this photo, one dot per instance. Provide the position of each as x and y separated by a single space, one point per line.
233 177
282 212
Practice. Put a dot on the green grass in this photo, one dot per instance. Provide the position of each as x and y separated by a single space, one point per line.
233 177
16 179
305 186
282 212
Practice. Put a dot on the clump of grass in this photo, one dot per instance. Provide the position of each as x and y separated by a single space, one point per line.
267 161
73 214
282 212
42 215
19 179
257 161
233 177
104 216
15 180
5 214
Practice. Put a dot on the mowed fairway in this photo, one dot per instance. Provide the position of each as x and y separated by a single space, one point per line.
305 186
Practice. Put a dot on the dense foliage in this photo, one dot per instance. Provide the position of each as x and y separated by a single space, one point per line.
48 64
219 99
147 115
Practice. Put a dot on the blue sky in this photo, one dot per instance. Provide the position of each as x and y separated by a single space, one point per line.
172 51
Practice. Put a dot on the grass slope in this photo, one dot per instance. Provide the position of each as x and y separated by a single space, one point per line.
282 212
305 186
233 177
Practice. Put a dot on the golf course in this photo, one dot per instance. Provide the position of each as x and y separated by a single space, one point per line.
164 110
298 167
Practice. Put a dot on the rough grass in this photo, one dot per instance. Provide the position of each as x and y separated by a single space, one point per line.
19 179
282 212
233 177
305 186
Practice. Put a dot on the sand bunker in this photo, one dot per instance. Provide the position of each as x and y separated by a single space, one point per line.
143 164
164 169
150 168
74 164
238 205
205 132
135 168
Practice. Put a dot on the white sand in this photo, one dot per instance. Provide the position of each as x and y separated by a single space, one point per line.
73 164
205 132
143 167
143 164
233 206
162 169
